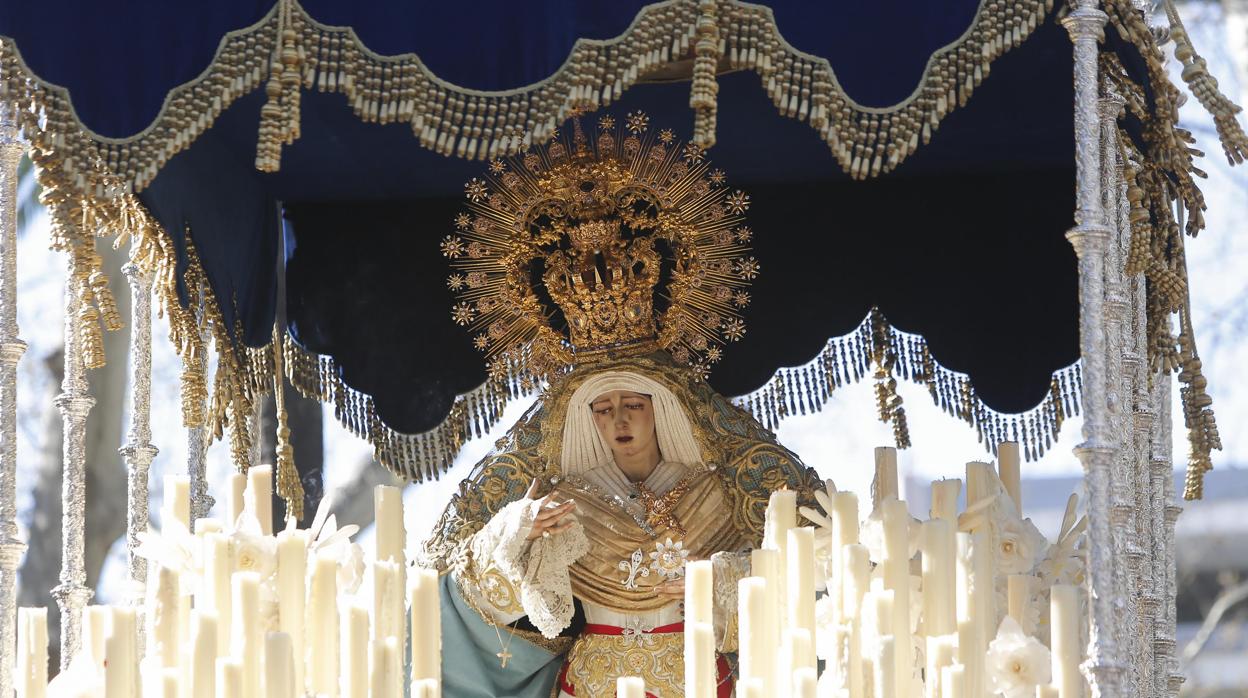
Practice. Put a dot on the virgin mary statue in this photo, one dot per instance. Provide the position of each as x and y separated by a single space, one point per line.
563 554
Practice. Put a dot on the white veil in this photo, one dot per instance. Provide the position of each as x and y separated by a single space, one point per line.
584 448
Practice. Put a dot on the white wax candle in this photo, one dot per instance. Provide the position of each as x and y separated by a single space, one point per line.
260 494
781 516
962 577
885 672
945 499
164 599
896 565
279 667
698 592
387 600
976 608
322 626
207 525
32 652
752 688
630 687
836 668
879 620
203 674
247 643
801 580
121 657
95 622
1064 628
169 684
1047 691
178 499
215 592
236 489
388 510
699 660
426 688
985 594
229 678
385 679
941 652
1011 476
752 634
979 480
765 563
856 561
1018 599
953 682
355 648
292 569
426 638
939 602
885 483
805 682
844 532
799 648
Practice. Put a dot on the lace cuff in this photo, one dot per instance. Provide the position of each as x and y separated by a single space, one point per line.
539 568
727 568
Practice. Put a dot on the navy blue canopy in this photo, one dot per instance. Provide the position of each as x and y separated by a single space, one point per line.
961 242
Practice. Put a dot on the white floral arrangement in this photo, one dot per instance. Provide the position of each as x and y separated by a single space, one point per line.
1018 656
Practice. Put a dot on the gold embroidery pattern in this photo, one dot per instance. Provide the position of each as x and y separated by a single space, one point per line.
499 592
660 511
596 661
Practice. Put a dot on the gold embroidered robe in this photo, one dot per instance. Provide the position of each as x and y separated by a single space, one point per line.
636 538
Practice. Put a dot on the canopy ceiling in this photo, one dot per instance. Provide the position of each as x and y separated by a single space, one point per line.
959 239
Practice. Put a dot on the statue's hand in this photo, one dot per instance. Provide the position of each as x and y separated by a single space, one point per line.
552 515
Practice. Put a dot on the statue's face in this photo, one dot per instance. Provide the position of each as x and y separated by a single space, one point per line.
626 421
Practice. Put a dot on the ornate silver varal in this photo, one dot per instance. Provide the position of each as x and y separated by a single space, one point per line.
74 404
1090 236
1119 389
138 450
197 438
11 350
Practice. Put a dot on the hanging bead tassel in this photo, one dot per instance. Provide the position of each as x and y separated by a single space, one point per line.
1205 87
289 487
703 87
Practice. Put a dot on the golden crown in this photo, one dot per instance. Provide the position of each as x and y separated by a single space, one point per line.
590 232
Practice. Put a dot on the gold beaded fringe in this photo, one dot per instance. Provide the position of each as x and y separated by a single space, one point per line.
879 351
416 457
288 51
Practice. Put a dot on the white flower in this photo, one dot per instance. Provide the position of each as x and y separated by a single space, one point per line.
1017 663
1019 545
668 559
254 552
